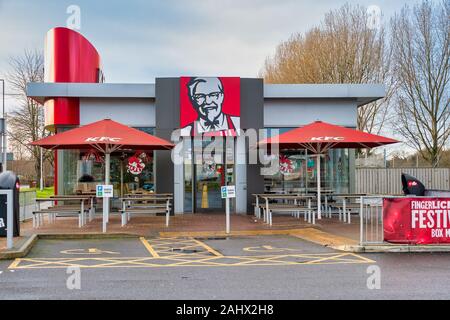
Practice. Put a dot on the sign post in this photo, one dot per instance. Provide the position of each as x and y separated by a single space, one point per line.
104 191
227 193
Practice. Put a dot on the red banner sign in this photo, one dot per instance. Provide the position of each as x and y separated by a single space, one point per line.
416 220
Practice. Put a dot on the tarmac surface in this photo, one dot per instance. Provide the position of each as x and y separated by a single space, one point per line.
256 267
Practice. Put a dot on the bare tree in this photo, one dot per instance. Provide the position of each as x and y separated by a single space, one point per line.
26 122
344 48
420 41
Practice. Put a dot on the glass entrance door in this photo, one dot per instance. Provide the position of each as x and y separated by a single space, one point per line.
209 178
209 175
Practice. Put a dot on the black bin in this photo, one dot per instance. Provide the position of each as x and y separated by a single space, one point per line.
9 181
412 186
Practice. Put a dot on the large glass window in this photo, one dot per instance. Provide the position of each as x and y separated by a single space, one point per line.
144 181
298 170
82 169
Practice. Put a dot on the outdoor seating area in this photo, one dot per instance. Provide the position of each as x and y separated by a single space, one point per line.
139 204
199 223
85 207
334 205
313 204
64 206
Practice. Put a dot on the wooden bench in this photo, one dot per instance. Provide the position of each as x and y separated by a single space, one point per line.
346 204
145 205
300 203
348 209
90 199
291 203
295 210
61 211
65 210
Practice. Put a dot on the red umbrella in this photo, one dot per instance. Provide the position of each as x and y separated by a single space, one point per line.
319 137
106 136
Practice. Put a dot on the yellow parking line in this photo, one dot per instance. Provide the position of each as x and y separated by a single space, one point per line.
149 247
211 261
163 254
14 264
361 257
208 248
332 258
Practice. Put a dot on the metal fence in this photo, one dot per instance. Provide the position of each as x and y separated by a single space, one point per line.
27 203
371 220
388 180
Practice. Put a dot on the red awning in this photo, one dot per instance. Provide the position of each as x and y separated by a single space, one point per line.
319 137
105 135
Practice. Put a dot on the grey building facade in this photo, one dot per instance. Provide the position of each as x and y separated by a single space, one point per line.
155 108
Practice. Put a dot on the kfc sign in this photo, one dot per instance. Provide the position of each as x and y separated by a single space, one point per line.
416 220
327 138
102 139
209 106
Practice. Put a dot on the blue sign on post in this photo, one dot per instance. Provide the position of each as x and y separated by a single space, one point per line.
228 192
104 191
99 191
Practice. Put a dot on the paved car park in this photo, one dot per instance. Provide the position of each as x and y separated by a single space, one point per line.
180 252
257 267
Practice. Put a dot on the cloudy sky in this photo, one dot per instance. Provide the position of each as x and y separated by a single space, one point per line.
139 40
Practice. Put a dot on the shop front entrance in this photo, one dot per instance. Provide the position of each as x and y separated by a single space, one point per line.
206 174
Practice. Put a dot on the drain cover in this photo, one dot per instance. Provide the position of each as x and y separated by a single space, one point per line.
185 250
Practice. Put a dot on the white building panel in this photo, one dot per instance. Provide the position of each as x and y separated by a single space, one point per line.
130 111
299 112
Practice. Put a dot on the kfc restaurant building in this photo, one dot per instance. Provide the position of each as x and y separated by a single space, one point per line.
75 94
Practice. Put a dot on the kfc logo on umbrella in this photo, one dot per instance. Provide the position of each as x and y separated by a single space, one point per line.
209 105
327 138
103 139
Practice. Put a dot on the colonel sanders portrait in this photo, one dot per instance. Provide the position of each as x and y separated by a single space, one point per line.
206 96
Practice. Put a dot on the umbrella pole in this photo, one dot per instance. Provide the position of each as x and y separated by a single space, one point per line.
121 178
319 206
106 200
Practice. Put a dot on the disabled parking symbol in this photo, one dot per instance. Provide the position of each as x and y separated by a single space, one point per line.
268 249
90 251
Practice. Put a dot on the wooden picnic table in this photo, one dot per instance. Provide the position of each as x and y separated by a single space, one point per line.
52 211
145 204
261 195
87 195
145 198
345 197
295 208
323 194
311 190
137 194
